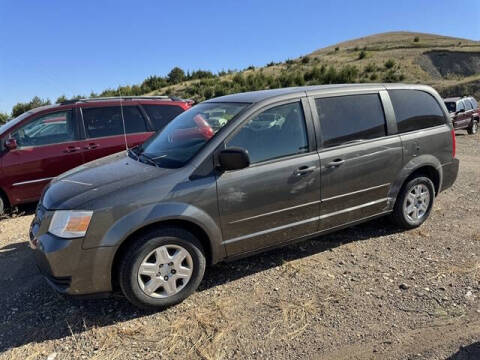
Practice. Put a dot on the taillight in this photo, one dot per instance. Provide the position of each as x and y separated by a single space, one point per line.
454 144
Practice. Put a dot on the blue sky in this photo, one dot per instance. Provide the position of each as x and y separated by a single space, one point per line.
51 47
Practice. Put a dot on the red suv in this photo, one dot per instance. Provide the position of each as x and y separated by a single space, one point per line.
464 112
47 141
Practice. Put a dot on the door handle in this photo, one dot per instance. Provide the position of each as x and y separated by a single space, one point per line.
302 170
91 146
71 149
335 163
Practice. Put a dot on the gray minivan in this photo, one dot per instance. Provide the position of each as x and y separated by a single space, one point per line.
240 174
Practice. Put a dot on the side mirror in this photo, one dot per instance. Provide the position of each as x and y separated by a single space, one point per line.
233 159
11 144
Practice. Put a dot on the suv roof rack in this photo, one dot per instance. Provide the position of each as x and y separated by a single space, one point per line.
168 98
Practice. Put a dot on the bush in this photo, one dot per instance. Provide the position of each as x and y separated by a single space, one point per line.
355 48
337 48
251 67
371 67
362 55
389 64
416 39
373 77
305 60
271 63
290 62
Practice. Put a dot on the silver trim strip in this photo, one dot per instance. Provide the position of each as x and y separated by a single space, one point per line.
353 208
355 192
316 218
76 182
32 181
274 212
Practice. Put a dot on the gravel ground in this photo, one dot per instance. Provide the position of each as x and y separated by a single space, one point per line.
371 291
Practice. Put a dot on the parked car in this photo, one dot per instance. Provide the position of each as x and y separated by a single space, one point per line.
464 112
150 221
47 141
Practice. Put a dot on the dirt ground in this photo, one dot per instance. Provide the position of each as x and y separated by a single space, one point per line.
371 291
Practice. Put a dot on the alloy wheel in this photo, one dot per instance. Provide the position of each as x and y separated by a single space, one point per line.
417 202
165 271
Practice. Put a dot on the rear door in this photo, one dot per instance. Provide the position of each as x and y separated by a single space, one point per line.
47 145
360 157
276 198
104 129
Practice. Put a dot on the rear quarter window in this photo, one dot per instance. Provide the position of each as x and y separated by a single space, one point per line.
161 115
415 110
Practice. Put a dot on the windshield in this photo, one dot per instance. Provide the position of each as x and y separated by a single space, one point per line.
183 137
450 106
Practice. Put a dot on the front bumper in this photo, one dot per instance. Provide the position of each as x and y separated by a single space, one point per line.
450 173
68 268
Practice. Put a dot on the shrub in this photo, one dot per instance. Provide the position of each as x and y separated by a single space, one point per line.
305 60
362 55
251 67
175 75
270 64
390 63
290 62
373 77
337 48
416 39
355 48
371 67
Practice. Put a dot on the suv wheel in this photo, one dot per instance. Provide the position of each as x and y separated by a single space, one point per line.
162 268
473 129
414 203
3 205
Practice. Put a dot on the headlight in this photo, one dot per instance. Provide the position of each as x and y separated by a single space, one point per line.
70 223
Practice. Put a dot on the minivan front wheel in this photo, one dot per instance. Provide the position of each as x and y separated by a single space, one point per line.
414 203
162 268
473 129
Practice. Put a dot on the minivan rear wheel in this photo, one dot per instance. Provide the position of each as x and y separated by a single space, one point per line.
162 268
414 203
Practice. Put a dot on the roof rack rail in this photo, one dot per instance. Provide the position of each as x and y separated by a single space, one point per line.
158 97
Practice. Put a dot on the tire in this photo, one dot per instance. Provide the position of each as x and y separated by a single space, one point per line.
145 266
473 129
3 206
410 216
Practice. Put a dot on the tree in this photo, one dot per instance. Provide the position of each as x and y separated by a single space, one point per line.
61 99
176 75
20 108
3 118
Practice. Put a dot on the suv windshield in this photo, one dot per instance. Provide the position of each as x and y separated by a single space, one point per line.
183 137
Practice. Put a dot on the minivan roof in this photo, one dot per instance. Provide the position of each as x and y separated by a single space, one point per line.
260 95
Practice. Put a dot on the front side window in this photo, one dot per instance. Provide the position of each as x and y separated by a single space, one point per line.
277 132
350 118
161 115
190 131
47 129
107 121
460 106
415 110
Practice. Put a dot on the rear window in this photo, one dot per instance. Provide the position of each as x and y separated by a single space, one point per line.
349 118
161 115
451 106
107 121
415 110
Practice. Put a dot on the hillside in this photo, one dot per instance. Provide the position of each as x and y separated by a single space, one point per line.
451 65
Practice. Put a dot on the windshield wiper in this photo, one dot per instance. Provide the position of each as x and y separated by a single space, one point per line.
132 152
148 159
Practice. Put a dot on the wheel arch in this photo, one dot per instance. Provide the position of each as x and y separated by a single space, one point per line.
431 169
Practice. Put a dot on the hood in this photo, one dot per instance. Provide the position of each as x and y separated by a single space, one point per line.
98 179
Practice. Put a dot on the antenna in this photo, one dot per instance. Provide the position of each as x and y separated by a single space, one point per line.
123 122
